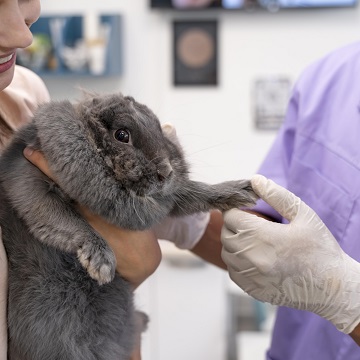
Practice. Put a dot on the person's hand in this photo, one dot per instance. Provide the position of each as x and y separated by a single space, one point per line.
137 252
38 159
298 265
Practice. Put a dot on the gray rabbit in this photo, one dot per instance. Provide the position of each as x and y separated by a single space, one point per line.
108 153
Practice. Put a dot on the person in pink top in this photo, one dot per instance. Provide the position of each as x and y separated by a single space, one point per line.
252 250
21 92
18 18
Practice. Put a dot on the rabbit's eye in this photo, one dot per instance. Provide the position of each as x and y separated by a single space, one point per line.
122 135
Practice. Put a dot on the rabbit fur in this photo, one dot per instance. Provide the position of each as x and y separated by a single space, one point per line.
108 153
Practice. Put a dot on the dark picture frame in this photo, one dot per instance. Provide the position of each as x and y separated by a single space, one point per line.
195 48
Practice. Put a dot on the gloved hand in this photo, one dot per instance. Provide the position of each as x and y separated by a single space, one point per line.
298 265
184 231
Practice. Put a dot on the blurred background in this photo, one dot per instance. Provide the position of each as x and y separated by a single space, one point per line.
221 72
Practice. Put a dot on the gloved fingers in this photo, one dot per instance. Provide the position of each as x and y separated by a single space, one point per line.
245 283
249 228
283 201
236 243
236 220
238 234
247 249
235 261
257 287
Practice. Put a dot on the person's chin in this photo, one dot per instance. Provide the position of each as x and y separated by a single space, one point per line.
6 77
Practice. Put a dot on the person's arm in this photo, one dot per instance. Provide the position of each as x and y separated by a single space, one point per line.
209 246
137 252
355 334
298 265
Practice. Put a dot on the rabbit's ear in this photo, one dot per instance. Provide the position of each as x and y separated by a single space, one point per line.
86 94
169 132
89 102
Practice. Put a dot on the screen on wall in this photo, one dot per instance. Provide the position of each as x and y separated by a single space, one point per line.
242 4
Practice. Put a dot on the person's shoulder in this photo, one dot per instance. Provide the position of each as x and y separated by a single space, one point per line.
348 51
29 82
346 56
21 98
342 56
339 63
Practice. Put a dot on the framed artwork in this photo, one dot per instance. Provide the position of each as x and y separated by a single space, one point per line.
271 96
195 53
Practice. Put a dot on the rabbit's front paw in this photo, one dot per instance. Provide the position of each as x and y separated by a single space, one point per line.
98 260
235 194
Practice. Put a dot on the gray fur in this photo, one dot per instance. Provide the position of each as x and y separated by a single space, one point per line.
66 301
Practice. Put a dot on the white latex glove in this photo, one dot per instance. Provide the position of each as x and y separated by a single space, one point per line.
184 231
298 265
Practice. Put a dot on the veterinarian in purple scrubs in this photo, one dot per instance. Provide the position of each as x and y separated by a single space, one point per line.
316 155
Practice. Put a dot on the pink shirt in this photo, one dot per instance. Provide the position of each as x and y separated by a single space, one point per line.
17 104
21 98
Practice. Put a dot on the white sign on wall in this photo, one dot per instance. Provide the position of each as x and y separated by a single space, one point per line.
271 96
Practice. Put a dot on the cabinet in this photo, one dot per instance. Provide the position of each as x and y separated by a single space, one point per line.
75 45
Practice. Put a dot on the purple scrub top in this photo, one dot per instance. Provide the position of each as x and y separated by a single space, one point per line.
316 155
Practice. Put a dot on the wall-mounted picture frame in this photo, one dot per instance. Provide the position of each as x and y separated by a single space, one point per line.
195 56
270 100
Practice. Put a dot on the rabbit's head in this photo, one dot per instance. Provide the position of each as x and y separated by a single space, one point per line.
109 146
129 139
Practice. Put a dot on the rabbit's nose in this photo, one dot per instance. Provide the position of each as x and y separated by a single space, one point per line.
164 171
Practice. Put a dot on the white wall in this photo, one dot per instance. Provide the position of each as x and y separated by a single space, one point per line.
214 124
